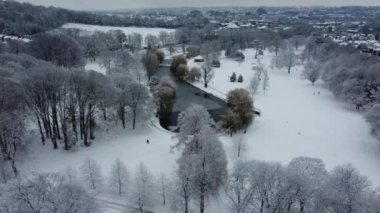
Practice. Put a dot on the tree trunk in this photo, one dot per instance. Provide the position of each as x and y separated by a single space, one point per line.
202 200
74 121
134 118
122 116
119 185
41 131
186 196
183 48
262 206
92 126
302 206
54 141
93 184
55 122
65 135
14 168
104 113
46 127
87 125
81 121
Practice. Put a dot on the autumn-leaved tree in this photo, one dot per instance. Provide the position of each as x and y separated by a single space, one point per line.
240 111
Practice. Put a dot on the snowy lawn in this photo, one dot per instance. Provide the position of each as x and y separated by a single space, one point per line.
295 122
220 84
144 31
127 144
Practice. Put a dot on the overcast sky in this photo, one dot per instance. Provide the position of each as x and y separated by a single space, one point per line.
125 4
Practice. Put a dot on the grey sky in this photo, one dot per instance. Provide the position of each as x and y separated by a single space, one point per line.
125 4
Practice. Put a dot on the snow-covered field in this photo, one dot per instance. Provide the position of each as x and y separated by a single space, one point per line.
95 67
127 144
296 121
144 31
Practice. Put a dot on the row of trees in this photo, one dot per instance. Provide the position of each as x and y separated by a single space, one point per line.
67 104
350 75
46 193
304 185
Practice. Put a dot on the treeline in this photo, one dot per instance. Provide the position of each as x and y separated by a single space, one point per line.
349 74
65 102
24 19
46 193
21 19
303 185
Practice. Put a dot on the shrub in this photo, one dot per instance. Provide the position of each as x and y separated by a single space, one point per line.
194 75
182 72
176 62
233 77
160 55
240 79
239 113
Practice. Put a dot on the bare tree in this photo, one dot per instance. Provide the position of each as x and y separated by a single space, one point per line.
183 37
6 173
46 193
151 41
202 165
171 42
208 73
164 38
165 187
346 189
209 53
239 188
287 57
254 84
143 185
119 176
183 189
239 143
305 177
265 81
209 163
311 71
193 121
139 101
134 42
150 62
91 173
12 123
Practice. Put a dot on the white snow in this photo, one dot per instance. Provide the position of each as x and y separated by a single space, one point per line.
144 31
95 67
295 121
127 144
8 37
